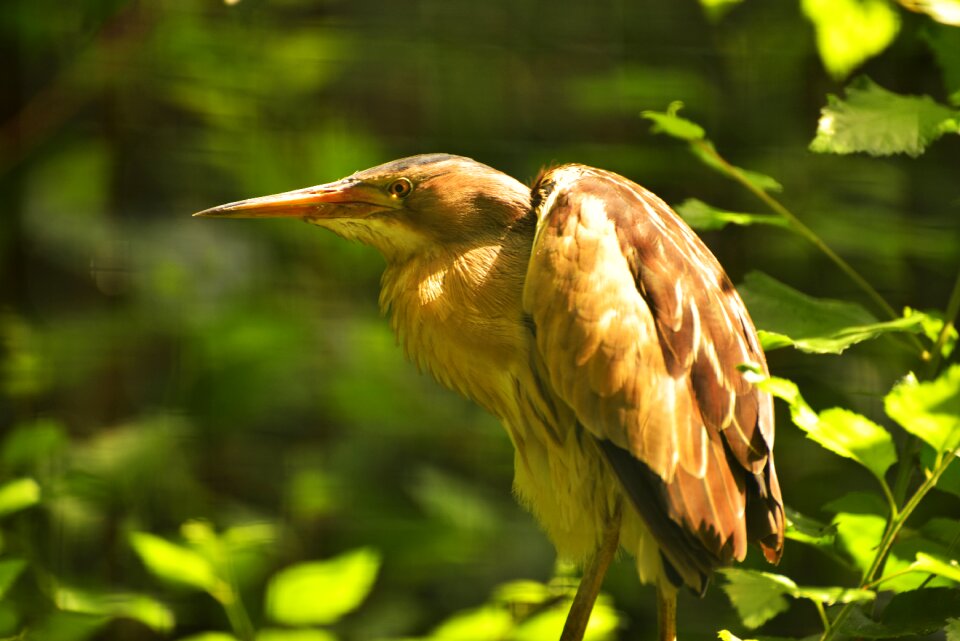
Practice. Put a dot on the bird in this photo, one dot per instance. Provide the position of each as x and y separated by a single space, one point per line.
589 318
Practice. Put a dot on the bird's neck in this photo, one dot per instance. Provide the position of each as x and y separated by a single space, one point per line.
457 312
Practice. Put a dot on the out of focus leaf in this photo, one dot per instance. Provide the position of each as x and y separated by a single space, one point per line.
849 32
833 595
210 636
67 626
10 569
31 443
322 592
787 317
283 634
700 215
669 123
949 481
757 596
716 9
487 622
18 495
841 431
174 563
880 123
929 410
945 43
145 609
602 626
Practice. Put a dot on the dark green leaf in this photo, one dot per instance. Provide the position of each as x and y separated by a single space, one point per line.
700 215
945 43
881 123
10 569
822 536
921 611
930 410
669 123
950 480
321 592
849 32
787 317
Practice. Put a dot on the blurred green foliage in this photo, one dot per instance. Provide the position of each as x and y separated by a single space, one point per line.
199 419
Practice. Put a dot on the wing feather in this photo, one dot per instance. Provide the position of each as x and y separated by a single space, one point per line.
640 331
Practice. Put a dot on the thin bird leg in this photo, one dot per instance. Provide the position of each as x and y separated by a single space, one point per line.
667 612
592 580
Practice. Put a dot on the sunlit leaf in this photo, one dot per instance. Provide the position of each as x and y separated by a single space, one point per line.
757 596
10 569
139 607
833 595
18 495
849 32
321 592
486 622
716 9
700 215
602 625
283 634
841 431
787 317
669 123
860 521
929 410
927 563
822 536
879 122
174 563
210 636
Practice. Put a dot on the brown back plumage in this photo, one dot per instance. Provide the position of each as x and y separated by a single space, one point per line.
641 333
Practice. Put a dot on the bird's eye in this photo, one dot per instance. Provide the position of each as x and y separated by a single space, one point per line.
399 188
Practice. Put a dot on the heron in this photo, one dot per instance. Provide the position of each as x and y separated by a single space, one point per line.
592 321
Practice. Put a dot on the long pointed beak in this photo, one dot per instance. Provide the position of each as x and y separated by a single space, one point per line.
347 198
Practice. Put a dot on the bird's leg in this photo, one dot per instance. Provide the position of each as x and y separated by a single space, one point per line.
666 612
592 579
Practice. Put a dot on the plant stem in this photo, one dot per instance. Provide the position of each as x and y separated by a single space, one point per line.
797 225
953 308
890 536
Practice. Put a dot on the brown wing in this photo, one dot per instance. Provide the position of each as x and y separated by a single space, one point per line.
641 332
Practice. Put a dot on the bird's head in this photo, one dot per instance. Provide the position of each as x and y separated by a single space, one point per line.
405 207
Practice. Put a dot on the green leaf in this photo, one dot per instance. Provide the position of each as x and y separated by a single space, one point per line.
716 9
486 622
945 43
860 519
921 611
949 481
174 563
833 595
669 123
930 410
849 32
931 565
700 215
952 629
757 596
67 626
139 607
10 569
548 624
822 536
18 495
210 636
322 592
854 436
708 154
881 123
282 634
841 431
787 317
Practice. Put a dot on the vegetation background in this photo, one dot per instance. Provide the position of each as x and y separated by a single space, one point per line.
198 415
